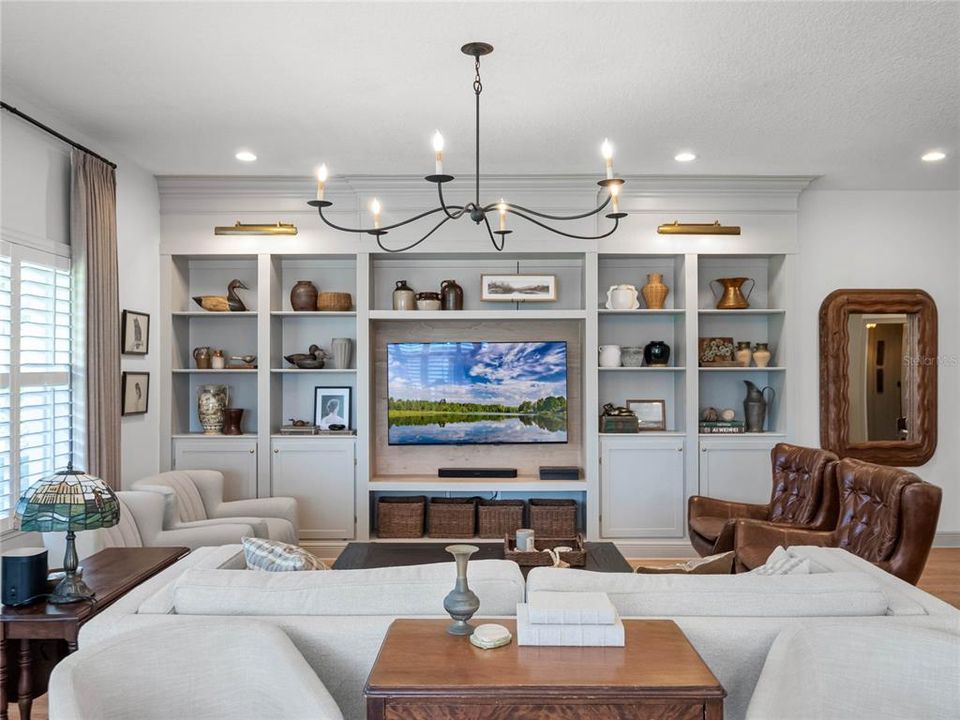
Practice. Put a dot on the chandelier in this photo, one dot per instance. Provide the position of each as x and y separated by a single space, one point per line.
473 209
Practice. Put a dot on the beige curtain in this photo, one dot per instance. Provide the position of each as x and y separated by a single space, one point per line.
93 237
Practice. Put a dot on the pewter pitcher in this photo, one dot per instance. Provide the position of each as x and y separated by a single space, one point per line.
755 406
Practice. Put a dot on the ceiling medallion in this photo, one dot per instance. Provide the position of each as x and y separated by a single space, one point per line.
474 210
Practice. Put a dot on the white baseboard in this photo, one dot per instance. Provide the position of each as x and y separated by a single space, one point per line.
947 539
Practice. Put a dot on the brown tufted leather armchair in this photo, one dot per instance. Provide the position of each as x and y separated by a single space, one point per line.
804 495
888 516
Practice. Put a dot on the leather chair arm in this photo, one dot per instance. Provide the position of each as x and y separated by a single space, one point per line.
754 534
703 506
920 509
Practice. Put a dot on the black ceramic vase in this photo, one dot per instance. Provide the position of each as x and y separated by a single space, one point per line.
656 353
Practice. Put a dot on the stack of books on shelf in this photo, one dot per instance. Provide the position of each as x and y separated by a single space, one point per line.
574 619
722 427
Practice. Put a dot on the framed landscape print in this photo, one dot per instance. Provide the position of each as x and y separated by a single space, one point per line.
134 333
651 414
518 288
134 392
331 406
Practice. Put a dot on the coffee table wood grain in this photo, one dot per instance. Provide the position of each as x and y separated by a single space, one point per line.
422 673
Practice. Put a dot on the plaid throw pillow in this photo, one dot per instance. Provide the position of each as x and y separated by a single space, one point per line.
274 556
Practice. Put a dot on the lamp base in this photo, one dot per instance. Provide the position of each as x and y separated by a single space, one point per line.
70 590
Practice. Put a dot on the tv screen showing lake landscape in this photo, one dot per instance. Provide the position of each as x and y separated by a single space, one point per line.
469 393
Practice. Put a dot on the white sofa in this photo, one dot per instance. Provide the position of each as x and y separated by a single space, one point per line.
199 495
337 619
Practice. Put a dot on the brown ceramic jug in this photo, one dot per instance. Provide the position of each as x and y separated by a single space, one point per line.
232 420
303 296
451 295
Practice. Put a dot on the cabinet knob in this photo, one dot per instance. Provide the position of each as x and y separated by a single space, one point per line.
252 450
276 450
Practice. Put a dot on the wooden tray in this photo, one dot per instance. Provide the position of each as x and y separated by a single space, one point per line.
575 558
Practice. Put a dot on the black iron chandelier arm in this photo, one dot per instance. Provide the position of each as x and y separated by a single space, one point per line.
514 208
498 246
616 223
412 245
381 229
459 209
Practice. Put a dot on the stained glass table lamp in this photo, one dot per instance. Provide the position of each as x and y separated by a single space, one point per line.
68 501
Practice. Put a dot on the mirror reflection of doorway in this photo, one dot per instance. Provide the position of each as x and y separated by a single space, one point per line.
877 377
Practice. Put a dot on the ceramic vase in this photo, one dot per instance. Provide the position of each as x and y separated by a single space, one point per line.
631 356
451 295
303 296
428 301
656 353
461 603
201 355
211 402
342 350
761 355
233 421
609 356
217 361
622 297
743 354
731 295
655 292
403 297
755 406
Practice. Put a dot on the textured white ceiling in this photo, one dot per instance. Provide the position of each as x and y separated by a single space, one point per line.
851 91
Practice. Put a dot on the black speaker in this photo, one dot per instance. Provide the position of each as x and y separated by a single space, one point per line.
559 472
24 575
447 472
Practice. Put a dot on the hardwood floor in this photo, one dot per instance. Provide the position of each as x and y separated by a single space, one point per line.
941 577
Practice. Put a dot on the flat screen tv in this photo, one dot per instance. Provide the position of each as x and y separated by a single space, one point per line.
476 393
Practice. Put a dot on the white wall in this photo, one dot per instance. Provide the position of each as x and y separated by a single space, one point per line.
890 239
34 206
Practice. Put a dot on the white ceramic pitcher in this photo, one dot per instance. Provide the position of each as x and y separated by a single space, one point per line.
609 356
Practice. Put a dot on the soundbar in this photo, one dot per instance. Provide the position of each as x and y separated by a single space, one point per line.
559 472
448 472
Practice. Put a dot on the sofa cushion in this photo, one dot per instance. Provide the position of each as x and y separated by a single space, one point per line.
412 590
159 601
274 556
781 562
817 595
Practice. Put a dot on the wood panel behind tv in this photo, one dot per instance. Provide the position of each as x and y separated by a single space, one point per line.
425 459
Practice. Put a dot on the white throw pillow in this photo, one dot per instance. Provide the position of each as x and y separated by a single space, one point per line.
781 562
275 556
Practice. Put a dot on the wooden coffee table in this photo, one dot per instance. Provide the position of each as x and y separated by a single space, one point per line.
422 673
601 556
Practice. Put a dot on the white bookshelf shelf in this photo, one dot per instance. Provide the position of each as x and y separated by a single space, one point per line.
641 312
204 436
422 315
740 436
746 311
307 371
779 368
211 371
314 313
421 483
644 368
212 314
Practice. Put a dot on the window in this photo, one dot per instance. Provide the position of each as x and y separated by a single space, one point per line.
36 409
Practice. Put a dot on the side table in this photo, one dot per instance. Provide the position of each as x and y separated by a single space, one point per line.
111 573
422 673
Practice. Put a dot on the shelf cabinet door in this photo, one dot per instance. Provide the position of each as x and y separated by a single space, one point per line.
236 459
736 469
641 491
319 473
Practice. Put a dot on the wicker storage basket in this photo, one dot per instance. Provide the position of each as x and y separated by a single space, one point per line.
452 517
334 301
576 557
400 517
553 518
496 518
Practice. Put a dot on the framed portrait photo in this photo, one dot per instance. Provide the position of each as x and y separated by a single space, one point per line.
134 392
651 414
134 333
331 406
518 288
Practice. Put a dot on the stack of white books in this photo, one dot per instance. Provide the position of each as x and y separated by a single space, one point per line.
576 619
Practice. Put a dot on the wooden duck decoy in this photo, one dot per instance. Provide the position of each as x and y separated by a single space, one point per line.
219 303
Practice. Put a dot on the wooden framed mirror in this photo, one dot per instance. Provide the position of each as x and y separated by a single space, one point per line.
878 375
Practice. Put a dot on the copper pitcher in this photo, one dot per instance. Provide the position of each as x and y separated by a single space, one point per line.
731 296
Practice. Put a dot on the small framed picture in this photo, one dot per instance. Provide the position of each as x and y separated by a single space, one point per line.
331 407
651 414
518 288
717 352
134 392
134 333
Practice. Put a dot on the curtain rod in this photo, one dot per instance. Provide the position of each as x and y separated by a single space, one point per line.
59 136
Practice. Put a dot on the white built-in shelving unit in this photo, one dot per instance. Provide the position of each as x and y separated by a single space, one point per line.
633 488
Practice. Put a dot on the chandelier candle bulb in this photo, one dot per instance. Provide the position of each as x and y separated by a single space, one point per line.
321 181
438 152
607 151
615 197
502 208
375 209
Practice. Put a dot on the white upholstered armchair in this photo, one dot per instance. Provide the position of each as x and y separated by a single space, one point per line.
200 502
142 525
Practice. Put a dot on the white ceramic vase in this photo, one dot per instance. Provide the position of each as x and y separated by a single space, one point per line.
610 356
342 350
622 297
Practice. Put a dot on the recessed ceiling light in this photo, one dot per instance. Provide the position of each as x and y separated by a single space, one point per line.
685 157
245 156
933 156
